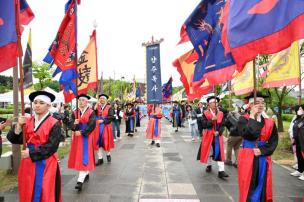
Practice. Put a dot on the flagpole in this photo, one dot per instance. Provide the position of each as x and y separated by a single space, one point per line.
76 57
300 80
95 26
20 53
254 80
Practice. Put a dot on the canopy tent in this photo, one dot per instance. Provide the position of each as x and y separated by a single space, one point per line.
8 97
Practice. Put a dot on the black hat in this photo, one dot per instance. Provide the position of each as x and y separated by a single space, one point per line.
130 103
83 95
258 94
213 97
41 92
105 95
175 101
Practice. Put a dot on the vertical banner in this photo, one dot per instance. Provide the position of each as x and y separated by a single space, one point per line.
27 64
154 86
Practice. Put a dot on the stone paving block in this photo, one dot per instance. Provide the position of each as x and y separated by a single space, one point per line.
153 196
181 189
115 198
125 190
209 189
150 189
169 200
154 178
222 198
127 146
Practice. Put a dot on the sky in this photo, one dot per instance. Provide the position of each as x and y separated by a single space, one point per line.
122 27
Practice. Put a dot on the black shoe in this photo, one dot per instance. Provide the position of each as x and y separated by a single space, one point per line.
222 174
135 130
131 135
109 158
209 169
79 186
235 165
87 178
153 142
157 144
176 130
99 162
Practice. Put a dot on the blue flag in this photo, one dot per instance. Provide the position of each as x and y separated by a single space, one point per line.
167 90
261 27
204 31
137 94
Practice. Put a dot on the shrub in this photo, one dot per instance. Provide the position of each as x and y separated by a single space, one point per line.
287 117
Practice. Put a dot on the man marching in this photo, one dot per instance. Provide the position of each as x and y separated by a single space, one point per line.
129 116
176 115
39 175
81 156
104 136
254 160
213 140
154 126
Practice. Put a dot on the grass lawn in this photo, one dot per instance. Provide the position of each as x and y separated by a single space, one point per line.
283 153
7 181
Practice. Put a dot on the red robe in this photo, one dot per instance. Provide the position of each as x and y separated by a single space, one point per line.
208 138
27 169
107 138
75 157
150 134
245 165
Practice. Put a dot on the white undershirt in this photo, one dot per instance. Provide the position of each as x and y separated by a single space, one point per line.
83 111
38 122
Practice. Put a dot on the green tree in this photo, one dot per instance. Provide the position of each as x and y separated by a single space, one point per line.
176 89
42 73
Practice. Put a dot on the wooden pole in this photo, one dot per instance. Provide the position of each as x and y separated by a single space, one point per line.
76 56
20 53
300 80
254 81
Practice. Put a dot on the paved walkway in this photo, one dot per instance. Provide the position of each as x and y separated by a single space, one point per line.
145 173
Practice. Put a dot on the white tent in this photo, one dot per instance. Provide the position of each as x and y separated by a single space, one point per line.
7 97
59 98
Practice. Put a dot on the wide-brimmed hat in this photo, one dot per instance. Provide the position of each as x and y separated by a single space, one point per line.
41 92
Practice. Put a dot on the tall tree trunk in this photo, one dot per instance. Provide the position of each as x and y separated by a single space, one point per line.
280 122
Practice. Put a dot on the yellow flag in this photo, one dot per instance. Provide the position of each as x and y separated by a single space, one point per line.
242 82
284 69
87 67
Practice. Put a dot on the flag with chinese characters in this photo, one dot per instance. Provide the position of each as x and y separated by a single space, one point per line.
86 72
63 48
242 82
284 69
185 65
261 27
8 33
87 67
154 87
